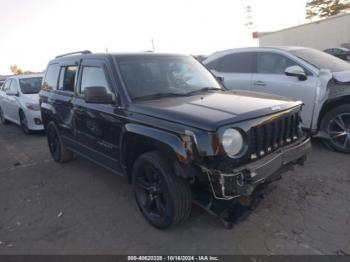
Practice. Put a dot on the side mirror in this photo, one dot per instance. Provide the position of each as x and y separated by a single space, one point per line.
12 93
97 95
296 71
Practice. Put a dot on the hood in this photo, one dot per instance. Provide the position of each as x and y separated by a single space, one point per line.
31 98
343 76
211 110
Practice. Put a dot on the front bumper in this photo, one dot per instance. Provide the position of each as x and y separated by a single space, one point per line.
34 120
243 180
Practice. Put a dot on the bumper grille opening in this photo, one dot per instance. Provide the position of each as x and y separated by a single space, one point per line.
270 136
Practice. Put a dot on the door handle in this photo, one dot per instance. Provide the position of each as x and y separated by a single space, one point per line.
259 83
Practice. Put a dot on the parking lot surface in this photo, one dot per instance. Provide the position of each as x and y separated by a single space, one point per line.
80 208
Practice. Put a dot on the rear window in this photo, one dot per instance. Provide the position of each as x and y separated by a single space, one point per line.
51 77
30 85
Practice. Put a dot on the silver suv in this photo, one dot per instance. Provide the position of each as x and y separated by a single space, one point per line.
320 80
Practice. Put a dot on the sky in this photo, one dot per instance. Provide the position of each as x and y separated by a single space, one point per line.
34 31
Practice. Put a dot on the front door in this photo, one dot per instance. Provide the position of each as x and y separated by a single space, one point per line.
270 78
97 126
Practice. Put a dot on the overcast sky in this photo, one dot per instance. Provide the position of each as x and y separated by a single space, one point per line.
34 31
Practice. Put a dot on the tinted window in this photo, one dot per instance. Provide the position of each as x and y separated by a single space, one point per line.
269 63
67 78
93 76
237 63
51 77
321 60
30 85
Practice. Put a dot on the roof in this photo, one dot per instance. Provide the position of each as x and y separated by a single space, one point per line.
26 76
102 55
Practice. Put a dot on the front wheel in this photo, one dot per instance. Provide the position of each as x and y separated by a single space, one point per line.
164 199
3 120
24 123
57 149
336 123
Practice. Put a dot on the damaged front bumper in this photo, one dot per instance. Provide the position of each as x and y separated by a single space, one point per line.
244 179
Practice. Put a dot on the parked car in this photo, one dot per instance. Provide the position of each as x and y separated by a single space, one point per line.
164 122
320 80
19 102
340 52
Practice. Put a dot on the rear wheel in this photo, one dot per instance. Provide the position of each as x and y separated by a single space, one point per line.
57 149
3 120
336 123
24 122
164 199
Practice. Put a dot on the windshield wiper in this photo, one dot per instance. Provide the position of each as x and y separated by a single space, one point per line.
204 89
158 95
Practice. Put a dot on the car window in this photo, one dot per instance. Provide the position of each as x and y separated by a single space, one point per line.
270 63
13 86
93 76
7 85
67 78
237 63
30 85
51 77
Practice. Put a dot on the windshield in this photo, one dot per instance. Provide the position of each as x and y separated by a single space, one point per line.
158 76
322 60
30 85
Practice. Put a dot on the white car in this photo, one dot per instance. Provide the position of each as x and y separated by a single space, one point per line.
19 102
318 79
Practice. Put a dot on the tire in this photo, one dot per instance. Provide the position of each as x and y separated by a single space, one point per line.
164 199
3 120
57 149
336 124
24 123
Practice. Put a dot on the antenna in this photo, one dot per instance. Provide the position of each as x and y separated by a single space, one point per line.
152 45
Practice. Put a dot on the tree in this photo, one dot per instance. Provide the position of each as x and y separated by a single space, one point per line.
16 70
326 8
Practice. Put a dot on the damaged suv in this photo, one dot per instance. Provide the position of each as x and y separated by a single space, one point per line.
167 124
319 80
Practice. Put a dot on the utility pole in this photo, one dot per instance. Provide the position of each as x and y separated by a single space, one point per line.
153 49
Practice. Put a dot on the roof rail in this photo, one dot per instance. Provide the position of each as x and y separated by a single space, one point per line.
84 52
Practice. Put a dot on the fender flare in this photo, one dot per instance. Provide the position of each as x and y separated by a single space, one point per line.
161 139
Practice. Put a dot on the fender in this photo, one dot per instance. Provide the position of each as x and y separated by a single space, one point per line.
159 138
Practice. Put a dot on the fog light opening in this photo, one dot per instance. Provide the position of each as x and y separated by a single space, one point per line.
240 180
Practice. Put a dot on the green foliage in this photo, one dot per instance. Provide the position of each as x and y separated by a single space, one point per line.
326 8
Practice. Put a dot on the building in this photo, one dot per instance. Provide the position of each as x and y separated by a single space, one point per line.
326 33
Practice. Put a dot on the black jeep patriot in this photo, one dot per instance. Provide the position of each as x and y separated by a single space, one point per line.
166 123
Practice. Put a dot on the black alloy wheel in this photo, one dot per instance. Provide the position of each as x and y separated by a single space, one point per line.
164 199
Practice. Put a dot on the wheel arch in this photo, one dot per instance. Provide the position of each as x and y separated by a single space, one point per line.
137 139
331 104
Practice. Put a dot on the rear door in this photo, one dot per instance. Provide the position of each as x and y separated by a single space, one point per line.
270 78
237 69
97 126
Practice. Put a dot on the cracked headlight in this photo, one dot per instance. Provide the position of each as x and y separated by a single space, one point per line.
34 107
232 142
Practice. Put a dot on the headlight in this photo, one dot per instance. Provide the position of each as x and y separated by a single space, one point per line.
34 107
232 142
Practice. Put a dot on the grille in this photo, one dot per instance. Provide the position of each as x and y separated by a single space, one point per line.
268 137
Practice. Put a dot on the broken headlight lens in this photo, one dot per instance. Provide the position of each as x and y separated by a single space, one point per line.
232 142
